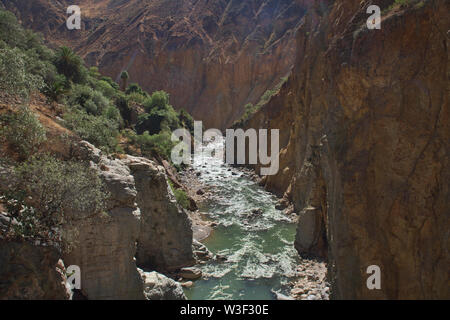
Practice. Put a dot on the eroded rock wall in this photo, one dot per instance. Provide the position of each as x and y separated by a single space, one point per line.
31 272
165 239
103 245
368 111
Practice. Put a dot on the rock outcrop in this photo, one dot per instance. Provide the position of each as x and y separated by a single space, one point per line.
364 127
103 245
213 57
31 272
158 287
165 239
141 219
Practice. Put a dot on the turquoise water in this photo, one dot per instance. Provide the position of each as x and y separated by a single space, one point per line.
261 256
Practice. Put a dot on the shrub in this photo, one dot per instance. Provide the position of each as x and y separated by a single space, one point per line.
159 99
106 89
10 30
136 97
180 196
98 130
23 131
94 73
15 78
186 120
113 114
56 88
111 82
158 120
93 102
135 88
53 188
157 144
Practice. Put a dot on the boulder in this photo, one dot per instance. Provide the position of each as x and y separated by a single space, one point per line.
160 287
190 273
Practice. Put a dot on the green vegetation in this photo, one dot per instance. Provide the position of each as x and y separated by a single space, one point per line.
70 65
15 78
100 131
95 108
53 190
400 3
22 131
180 196
46 191
124 76
250 109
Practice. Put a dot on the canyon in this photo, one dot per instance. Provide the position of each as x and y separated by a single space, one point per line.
364 153
212 57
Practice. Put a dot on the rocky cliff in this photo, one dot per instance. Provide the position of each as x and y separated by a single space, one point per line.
31 272
141 219
364 126
165 238
213 57
103 244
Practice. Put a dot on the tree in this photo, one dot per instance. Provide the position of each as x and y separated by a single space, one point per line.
124 76
70 65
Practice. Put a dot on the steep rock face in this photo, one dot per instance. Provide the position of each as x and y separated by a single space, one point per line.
104 244
31 272
165 240
367 110
213 57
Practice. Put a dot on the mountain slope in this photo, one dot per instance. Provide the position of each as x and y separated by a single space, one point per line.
213 57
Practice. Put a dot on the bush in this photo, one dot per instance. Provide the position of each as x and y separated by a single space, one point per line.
53 188
106 89
23 131
186 120
111 82
135 88
157 144
180 196
56 88
98 130
93 102
15 78
136 97
10 30
159 99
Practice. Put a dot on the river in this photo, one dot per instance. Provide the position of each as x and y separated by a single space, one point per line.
261 259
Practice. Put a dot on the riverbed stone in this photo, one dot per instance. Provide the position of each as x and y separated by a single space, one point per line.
190 273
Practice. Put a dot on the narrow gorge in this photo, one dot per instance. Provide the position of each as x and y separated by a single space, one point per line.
87 171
